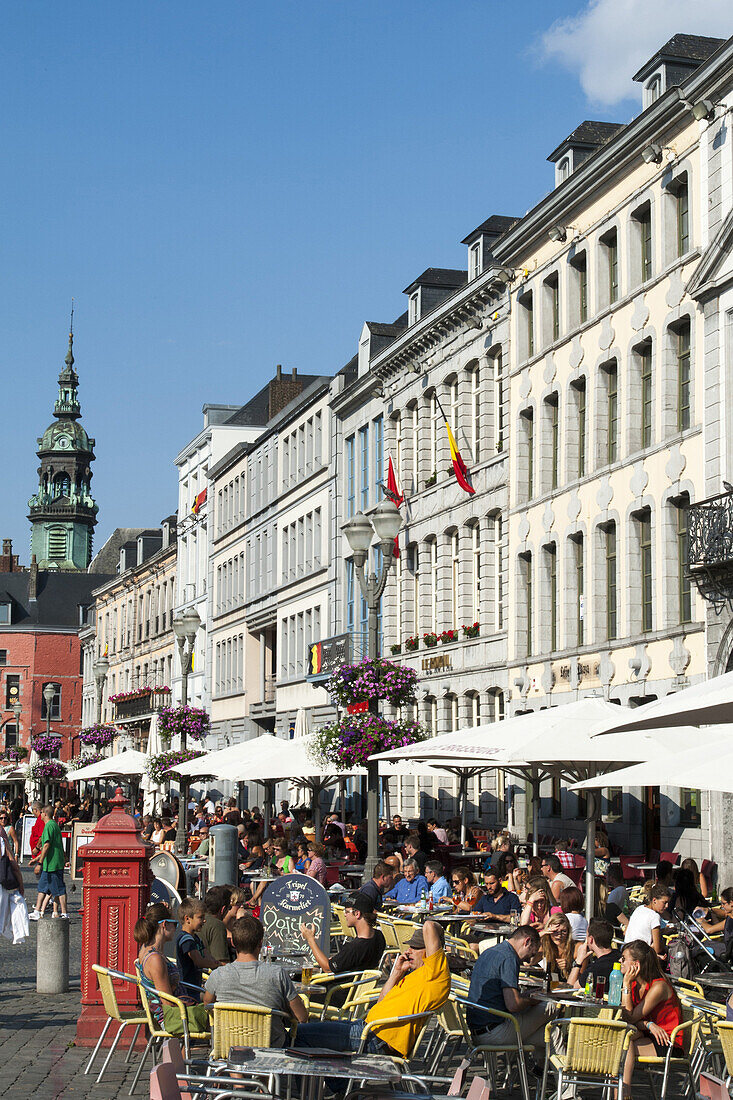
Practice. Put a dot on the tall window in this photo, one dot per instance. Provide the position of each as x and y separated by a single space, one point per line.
552 288
527 315
55 712
475 573
554 441
453 405
364 468
644 220
378 455
499 573
682 215
683 376
612 406
647 408
414 562
434 430
580 588
454 578
474 260
579 288
432 548
499 397
475 413
350 476
528 425
610 243
611 594
581 405
683 579
475 709
644 521
552 578
528 600
415 431
398 445
400 579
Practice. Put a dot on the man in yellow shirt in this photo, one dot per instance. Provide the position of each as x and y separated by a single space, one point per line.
419 982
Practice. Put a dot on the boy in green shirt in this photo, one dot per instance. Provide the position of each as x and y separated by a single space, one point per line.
52 859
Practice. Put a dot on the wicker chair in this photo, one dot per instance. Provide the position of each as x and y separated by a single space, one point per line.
137 1019
158 1033
240 1025
595 1054
725 1034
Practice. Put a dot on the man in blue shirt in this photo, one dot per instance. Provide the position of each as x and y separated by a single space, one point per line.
497 902
495 983
410 888
439 887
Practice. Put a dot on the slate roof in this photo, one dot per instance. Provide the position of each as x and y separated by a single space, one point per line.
682 47
439 276
59 597
588 133
381 328
107 558
493 226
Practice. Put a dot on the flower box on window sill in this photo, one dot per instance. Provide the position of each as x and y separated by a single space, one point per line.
396 648
449 636
471 630
430 640
411 644
429 482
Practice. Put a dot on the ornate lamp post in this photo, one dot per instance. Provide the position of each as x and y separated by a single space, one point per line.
100 669
49 694
385 522
185 626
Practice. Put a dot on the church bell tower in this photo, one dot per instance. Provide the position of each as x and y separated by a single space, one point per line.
63 512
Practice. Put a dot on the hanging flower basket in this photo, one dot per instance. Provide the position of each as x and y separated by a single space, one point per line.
98 734
176 721
378 679
413 643
17 752
430 639
45 742
83 760
47 770
449 636
159 767
350 742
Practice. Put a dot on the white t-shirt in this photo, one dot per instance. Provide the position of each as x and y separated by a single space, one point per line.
209 807
641 924
578 926
564 880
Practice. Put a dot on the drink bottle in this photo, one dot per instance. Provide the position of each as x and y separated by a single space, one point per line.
615 983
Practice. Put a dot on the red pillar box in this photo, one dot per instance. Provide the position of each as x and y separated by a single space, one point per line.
117 879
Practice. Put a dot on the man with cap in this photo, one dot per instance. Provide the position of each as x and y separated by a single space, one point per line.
419 982
360 952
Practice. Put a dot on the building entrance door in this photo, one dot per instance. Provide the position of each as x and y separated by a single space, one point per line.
652 819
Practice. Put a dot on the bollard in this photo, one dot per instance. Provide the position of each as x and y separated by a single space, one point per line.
52 956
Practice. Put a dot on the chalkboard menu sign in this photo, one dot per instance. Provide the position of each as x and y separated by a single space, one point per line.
288 902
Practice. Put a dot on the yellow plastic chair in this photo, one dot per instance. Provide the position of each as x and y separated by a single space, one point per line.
240 1025
671 1062
360 990
374 1027
387 929
725 1034
595 1053
158 1033
136 1019
404 929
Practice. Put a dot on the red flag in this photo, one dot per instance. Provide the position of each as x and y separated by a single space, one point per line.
459 466
199 502
395 494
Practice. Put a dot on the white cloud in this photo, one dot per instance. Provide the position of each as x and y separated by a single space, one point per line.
609 40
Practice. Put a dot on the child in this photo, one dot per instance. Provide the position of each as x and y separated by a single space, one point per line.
191 954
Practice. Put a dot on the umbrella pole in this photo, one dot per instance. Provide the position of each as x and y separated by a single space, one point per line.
386 807
535 784
463 795
590 858
342 799
316 795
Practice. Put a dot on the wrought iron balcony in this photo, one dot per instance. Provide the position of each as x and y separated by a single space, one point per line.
710 549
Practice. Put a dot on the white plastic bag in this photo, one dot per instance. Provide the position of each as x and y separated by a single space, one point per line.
19 918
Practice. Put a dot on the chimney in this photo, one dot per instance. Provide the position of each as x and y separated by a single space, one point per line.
282 389
8 560
33 579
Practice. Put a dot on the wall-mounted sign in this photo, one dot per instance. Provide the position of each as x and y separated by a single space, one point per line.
325 656
442 663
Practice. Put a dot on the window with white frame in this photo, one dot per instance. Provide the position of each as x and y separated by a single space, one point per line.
498 572
398 445
364 468
455 565
474 260
475 413
499 401
415 431
413 308
475 573
350 475
378 429
434 433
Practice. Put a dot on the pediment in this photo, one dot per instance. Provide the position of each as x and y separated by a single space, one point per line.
715 270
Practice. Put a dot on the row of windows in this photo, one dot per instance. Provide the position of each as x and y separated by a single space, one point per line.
302 546
230 581
364 466
357 609
154 617
230 505
155 673
564 297
297 632
302 450
229 666
446 714
645 387
560 609
262 475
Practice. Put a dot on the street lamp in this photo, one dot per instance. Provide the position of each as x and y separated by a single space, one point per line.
185 626
100 668
385 522
49 694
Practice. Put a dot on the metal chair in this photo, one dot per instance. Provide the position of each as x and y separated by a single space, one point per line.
137 1019
675 1062
725 1034
159 1033
488 1051
595 1054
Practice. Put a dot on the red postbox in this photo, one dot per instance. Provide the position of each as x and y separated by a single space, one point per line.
117 879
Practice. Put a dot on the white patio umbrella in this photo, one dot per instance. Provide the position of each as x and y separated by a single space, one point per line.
152 791
130 763
32 786
711 770
704 704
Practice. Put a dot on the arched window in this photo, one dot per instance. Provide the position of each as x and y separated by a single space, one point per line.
61 485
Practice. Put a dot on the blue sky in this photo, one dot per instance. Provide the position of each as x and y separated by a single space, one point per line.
231 185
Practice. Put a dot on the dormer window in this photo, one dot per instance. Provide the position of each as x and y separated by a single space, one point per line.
413 314
563 170
653 90
4 611
474 260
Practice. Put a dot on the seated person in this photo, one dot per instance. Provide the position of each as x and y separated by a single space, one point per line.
192 956
213 932
466 893
649 1001
645 923
360 952
558 947
572 904
249 981
495 984
382 880
409 889
687 901
202 851
556 877
158 974
438 885
419 982
539 904
302 860
437 830
496 902
396 833
414 852
618 899
720 920
595 957
703 886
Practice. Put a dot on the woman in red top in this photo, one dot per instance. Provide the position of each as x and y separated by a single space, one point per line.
649 1001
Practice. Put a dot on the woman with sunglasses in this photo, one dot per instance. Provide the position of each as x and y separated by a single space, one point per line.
538 908
158 974
10 834
558 947
466 894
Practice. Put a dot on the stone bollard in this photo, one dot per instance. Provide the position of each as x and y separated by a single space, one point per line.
52 956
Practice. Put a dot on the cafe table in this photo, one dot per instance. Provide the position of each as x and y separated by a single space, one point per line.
313 1064
647 868
564 996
